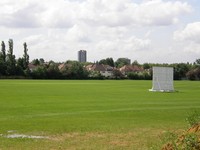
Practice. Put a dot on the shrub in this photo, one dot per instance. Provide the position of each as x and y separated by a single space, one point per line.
193 118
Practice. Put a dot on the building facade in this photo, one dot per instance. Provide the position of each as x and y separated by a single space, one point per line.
82 56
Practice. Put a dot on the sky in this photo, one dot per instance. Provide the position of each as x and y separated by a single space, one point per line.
152 31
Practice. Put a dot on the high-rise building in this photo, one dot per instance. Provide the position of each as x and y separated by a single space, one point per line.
82 56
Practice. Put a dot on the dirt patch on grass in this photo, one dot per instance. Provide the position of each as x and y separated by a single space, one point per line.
64 136
136 139
97 140
120 143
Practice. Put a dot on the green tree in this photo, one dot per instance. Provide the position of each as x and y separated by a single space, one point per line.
147 76
65 71
3 51
110 62
194 74
146 66
134 75
10 44
121 62
74 70
107 61
197 61
20 62
78 71
135 62
180 70
53 71
20 70
103 61
3 66
11 62
25 57
117 74
41 60
35 62
39 73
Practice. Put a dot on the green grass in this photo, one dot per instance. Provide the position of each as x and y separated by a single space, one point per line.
91 114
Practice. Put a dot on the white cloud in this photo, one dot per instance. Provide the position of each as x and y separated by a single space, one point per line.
105 28
122 13
192 48
158 12
36 13
190 33
64 14
189 37
131 44
78 33
20 14
105 41
59 14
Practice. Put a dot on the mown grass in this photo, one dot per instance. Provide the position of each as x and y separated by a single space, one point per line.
91 114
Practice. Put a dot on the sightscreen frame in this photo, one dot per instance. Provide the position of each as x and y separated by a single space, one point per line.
163 79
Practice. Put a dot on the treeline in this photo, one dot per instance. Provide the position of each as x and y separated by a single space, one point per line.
52 70
9 65
12 67
182 71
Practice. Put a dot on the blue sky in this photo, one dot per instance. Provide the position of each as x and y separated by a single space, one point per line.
154 31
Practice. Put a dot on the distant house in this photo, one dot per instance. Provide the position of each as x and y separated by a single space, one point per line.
61 66
104 70
32 67
130 68
108 71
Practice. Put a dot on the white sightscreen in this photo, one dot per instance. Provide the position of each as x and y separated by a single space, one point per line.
163 79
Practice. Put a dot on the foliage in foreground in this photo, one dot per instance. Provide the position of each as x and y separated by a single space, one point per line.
188 140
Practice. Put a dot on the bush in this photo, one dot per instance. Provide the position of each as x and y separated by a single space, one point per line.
188 140
193 118
191 142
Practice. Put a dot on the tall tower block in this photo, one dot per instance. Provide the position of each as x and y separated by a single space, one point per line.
82 56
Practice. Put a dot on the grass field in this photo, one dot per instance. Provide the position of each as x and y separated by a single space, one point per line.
91 114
